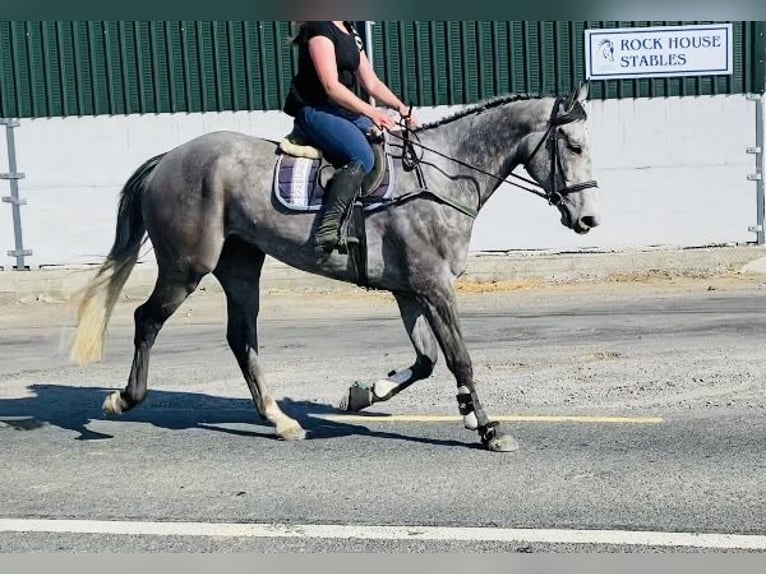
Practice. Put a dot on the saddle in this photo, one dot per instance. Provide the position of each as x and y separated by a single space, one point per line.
302 172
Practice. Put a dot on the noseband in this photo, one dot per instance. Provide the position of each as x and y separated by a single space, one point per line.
556 194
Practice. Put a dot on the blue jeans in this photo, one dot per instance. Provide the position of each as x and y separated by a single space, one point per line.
339 134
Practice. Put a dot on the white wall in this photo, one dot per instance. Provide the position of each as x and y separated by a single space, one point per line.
672 172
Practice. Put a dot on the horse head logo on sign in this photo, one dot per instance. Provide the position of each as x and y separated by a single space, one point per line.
606 48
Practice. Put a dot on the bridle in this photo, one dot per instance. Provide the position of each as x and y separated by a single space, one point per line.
555 195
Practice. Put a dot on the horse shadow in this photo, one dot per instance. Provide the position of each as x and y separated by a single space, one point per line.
74 408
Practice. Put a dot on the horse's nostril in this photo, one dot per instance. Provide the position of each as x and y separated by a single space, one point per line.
589 221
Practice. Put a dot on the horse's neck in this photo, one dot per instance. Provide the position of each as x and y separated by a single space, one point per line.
488 141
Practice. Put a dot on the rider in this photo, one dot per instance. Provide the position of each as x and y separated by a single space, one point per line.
331 59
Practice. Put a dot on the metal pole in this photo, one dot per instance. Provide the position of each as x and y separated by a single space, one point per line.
368 47
760 196
757 177
13 177
757 96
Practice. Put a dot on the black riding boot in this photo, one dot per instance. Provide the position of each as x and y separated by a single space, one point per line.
339 195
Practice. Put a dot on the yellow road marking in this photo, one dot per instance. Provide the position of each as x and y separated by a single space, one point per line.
500 418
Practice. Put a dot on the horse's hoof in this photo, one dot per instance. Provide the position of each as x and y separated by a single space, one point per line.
358 397
291 432
502 443
113 404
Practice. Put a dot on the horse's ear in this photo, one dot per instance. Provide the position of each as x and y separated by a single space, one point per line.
582 91
578 94
573 96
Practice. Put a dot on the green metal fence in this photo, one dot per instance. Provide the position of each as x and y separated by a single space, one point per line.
65 68
126 67
434 63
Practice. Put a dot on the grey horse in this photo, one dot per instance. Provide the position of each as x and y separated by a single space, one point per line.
208 207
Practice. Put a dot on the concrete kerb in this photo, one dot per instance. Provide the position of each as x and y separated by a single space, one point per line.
60 283
610 265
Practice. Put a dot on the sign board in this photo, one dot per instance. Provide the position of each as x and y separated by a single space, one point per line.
664 51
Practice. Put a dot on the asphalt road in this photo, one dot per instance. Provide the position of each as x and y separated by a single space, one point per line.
663 384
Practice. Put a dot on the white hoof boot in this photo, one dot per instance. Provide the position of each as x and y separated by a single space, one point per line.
469 419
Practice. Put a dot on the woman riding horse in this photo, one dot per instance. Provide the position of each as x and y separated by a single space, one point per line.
331 59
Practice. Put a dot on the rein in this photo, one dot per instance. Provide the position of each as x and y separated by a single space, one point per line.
411 161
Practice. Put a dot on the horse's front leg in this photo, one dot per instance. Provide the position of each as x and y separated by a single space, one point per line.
440 307
363 394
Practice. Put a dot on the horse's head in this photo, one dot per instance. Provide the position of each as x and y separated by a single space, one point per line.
558 158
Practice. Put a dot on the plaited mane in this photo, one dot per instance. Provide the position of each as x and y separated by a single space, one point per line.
480 107
576 110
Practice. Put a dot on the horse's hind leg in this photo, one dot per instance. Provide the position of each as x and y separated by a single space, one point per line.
170 290
361 394
239 271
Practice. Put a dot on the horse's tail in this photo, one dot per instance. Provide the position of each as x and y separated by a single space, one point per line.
101 293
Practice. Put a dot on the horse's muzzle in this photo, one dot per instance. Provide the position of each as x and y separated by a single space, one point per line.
585 223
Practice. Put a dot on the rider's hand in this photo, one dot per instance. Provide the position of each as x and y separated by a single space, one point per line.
408 118
382 120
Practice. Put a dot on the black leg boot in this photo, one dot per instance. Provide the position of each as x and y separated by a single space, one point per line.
339 195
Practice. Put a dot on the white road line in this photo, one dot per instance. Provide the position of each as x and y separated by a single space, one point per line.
434 533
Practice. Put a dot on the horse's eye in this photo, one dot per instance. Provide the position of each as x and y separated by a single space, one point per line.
576 148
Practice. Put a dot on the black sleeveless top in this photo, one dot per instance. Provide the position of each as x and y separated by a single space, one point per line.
306 89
